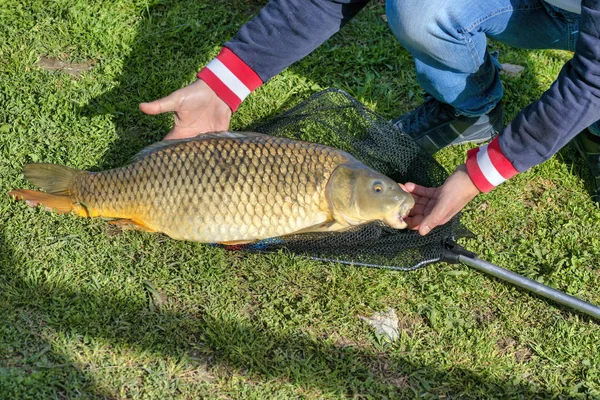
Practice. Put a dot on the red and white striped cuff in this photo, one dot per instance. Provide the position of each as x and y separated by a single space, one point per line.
230 77
488 167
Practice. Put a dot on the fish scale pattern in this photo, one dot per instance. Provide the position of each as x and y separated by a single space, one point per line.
218 189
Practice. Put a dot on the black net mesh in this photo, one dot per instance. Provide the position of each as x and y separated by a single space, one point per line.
334 118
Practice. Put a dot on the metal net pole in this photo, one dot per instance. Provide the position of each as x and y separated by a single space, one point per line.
531 285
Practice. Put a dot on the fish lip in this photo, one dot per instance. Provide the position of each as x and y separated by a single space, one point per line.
398 219
404 208
403 215
402 223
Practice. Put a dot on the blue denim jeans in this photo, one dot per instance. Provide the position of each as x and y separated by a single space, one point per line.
448 40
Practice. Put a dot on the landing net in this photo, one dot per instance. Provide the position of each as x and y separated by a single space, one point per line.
334 118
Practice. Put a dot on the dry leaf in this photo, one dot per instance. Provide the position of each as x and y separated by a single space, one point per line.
53 64
385 324
512 70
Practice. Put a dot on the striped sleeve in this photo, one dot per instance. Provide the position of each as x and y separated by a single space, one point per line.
488 167
230 77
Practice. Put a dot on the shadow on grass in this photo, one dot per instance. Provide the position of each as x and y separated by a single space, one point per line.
29 367
93 318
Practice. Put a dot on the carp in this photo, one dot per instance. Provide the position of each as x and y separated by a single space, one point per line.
227 187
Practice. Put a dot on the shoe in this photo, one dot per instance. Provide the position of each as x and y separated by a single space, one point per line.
434 125
590 151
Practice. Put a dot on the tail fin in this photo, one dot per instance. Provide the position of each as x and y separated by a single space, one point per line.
51 202
54 179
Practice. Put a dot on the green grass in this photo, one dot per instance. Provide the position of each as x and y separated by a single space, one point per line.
87 311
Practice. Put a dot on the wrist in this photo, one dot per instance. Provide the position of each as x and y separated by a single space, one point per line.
230 78
488 167
470 189
217 105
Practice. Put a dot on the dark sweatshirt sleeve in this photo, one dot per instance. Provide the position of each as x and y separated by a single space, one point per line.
284 31
570 105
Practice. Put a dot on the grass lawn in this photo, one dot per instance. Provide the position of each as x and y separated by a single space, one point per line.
88 311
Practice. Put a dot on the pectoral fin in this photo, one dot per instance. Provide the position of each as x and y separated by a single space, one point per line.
330 226
129 224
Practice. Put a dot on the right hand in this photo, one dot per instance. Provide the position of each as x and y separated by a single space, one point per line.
197 110
436 206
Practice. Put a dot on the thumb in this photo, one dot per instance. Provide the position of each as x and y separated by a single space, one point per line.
429 222
424 228
160 106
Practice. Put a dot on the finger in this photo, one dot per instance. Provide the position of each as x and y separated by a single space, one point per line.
171 135
418 209
160 106
431 220
413 222
179 133
183 133
420 190
424 229
409 186
422 200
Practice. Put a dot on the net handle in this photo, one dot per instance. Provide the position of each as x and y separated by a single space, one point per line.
453 255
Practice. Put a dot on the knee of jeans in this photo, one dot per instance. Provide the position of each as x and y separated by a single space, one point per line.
425 25
405 20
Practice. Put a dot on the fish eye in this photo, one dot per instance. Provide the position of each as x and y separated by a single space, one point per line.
378 187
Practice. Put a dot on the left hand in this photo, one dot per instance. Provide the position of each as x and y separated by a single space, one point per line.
436 206
197 109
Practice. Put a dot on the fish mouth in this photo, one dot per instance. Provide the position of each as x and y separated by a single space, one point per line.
397 221
401 223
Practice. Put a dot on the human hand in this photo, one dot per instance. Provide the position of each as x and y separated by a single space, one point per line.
197 110
436 206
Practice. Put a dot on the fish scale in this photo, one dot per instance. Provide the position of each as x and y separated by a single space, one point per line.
217 189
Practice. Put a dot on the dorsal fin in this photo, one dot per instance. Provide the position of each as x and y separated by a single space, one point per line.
153 148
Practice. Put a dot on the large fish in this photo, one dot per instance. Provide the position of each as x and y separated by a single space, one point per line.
226 187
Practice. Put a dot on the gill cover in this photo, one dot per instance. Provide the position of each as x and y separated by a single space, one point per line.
341 194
